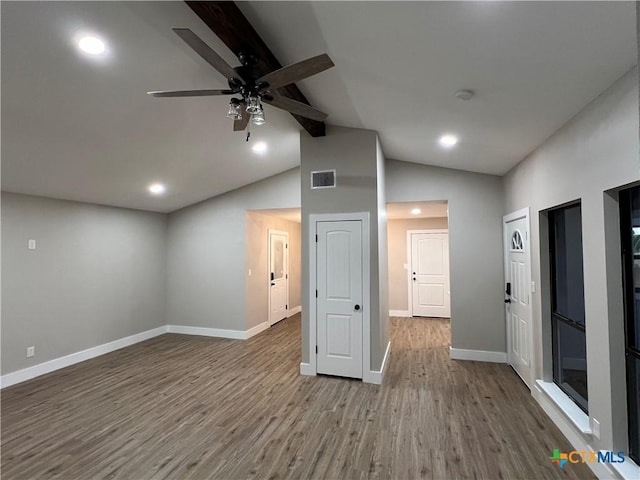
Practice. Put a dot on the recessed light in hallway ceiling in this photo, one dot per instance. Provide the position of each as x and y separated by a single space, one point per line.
157 189
91 45
448 140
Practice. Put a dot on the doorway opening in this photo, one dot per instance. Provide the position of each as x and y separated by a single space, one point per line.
273 266
418 242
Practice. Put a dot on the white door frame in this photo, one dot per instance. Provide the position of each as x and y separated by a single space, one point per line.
410 260
522 213
286 254
366 286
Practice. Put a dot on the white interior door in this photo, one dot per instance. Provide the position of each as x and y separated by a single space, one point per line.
339 303
518 293
278 275
430 275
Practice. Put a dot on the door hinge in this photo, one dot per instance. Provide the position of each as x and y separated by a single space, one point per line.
316 238
286 307
316 293
286 245
316 349
286 277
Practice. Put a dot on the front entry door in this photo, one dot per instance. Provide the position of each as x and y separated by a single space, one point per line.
339 304
278 275
430 275
518 293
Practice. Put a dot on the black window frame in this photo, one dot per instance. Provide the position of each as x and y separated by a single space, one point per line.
631 318
557 318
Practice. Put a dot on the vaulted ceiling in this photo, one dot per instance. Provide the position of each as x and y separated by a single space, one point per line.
83 128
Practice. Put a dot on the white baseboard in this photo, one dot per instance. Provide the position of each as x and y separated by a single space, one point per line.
477 355
305 369
256 330
211 332
68 360
294 310
399 313
71 359
377 376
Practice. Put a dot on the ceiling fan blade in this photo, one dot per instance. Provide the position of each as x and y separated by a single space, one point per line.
189 93
239 125
297 108
297 71
206 52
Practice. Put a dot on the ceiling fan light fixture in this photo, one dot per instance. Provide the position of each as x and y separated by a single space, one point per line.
234 112
258 118
253 105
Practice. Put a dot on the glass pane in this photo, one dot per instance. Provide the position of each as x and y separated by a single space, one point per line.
634 329
633 366
571 362
568 274
277 259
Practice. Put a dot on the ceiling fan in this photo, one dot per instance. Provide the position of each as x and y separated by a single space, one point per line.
253 88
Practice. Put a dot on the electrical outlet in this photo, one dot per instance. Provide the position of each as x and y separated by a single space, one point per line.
595 427
31 351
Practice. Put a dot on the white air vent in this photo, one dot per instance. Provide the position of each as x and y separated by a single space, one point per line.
323 179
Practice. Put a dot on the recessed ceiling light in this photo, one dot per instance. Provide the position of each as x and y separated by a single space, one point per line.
157 188
91 45
260 148
415 211
448 140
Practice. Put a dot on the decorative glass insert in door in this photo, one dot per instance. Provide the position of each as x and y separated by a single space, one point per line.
277 258
517 244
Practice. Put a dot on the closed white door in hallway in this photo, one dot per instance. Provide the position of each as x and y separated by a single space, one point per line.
430 275
518 292
339 298
278 275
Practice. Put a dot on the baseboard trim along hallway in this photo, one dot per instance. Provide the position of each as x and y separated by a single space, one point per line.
477 355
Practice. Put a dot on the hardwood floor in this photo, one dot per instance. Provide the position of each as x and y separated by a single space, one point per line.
186 407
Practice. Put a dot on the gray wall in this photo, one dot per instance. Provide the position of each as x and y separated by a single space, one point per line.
475 246
97 275
354 155
380 329
595 152
257 254
206 253
398 258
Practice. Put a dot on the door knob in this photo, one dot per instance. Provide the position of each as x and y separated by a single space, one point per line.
414 279
272 284
357 307
508 300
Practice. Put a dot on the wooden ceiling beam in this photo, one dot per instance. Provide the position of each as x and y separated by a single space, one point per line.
227 21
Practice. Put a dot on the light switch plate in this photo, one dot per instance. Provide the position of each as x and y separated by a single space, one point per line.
31 244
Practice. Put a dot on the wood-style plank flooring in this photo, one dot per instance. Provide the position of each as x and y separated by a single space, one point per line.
186 407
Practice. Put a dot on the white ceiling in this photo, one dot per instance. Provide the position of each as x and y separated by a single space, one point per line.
85 130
